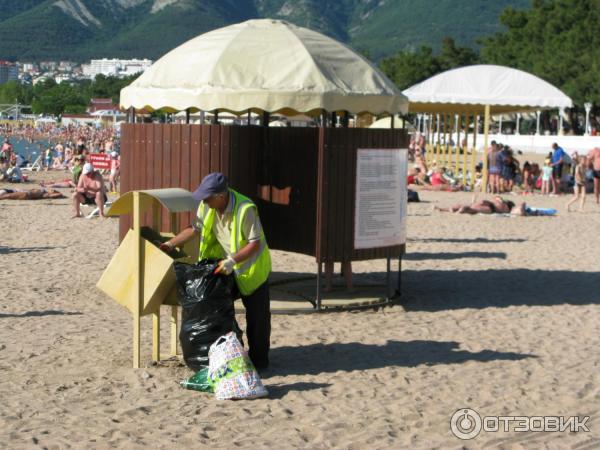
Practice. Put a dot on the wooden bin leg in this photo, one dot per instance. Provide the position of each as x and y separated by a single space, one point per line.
174 220
156 335
173 330
138 282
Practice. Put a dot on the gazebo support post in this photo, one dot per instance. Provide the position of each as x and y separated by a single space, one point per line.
187 116
486 129
265 119
399 286
464 120
318 295
474 151
388 279
215 118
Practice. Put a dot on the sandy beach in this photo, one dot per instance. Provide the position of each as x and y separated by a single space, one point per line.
497 314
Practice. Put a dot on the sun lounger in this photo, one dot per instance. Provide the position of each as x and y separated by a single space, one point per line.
96 211
37 165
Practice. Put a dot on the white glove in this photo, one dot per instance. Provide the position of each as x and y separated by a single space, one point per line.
225 266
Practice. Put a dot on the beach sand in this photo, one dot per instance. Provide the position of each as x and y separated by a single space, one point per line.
497 314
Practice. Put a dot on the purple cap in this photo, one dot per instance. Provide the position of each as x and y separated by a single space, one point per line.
213 183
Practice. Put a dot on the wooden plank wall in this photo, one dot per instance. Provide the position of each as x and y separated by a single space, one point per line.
158 156
276 167
302 179
337 190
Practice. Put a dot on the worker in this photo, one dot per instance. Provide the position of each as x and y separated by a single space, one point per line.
230 230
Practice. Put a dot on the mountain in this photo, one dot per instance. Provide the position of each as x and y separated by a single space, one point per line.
83 29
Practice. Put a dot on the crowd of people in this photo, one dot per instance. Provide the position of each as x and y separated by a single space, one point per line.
68 151
560 173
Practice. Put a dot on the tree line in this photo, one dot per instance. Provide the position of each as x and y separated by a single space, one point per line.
50 97
556 40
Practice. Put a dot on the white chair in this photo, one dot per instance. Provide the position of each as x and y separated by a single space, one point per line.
96 211
37 165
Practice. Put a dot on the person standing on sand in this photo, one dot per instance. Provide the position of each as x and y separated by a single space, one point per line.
221 212
579 188
558 157
594 161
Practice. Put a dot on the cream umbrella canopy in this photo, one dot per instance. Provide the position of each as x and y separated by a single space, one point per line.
469 89
264 65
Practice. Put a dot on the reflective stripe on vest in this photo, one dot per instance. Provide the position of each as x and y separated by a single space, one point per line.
250 273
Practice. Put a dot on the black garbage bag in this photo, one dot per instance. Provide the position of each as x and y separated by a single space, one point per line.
207 309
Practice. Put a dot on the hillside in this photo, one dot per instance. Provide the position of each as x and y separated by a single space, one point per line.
83 29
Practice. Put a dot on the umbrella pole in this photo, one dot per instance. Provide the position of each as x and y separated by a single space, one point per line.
486 129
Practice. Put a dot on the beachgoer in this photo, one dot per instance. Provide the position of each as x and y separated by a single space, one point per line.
48 156
579 187
246 255
594 162
496 205
546 176
32 194
558 157
90 190
527 181
115 166
494 167
75 174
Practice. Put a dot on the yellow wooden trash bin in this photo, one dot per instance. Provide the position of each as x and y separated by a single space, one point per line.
140 276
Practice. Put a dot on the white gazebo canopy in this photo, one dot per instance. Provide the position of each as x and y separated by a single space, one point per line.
264 65
469 89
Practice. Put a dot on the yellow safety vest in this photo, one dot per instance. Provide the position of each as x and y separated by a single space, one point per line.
252 272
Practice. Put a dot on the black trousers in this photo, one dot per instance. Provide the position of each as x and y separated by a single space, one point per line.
258 325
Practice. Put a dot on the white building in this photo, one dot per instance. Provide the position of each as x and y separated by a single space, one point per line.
115 67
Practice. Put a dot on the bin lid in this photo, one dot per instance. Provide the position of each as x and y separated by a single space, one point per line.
173 199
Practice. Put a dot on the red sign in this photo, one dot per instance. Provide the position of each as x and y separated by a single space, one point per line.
99 160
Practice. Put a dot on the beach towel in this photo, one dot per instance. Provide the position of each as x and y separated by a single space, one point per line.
540 211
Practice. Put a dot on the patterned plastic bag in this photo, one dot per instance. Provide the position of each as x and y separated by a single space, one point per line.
231 372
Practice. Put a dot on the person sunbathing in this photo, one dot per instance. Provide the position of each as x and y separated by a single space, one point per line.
66 183
438 182
496 205
32 194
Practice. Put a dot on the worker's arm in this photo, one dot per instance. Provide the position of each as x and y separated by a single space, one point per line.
247 251
180 239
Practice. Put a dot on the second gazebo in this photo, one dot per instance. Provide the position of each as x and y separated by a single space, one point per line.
454 99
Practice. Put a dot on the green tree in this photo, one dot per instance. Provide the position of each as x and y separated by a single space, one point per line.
407 68
557 40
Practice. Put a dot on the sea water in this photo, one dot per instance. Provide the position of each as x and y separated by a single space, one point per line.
29 150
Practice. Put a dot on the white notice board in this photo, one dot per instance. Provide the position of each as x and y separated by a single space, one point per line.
381 196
